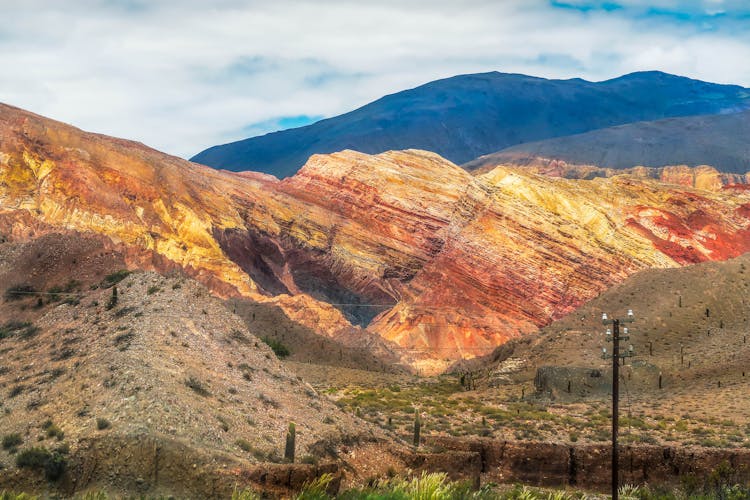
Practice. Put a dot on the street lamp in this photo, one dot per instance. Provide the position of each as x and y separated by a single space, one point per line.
613 335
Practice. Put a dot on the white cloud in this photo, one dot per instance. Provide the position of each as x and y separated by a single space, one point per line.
183 75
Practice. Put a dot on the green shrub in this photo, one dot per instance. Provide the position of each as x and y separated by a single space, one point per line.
33 458
53 430
11 441
152 290
55 466
41 459
102 424
277 347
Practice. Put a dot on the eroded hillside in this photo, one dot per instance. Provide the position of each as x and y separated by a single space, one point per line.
405 245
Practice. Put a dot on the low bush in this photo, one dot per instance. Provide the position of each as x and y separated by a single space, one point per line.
277 347
52 463
12 441
33 458
22 329
53 430
197 386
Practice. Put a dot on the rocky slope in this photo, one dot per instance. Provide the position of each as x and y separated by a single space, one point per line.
407 245
702 177
466 116
718 140
163 392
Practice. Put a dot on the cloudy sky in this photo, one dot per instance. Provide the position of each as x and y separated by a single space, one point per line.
182 75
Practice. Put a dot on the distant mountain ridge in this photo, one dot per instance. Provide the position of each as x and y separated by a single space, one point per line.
722 141
467 116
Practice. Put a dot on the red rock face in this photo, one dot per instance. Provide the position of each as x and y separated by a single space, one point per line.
405 244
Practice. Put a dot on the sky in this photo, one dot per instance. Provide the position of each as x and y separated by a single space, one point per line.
183 75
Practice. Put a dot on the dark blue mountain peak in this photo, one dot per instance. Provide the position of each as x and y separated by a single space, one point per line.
467 116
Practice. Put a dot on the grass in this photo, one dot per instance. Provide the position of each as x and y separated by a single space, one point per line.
500 413
433 486
9 495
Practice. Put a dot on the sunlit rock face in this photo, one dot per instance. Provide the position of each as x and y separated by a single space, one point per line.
407 245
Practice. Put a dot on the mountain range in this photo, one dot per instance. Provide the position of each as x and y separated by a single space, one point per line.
147 302
406 246
464 117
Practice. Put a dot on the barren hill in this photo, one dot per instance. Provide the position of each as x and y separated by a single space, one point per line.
164 390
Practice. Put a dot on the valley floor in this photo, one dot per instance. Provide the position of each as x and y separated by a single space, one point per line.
705 416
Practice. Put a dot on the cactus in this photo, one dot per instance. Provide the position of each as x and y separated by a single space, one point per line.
417 428
291 436
113 299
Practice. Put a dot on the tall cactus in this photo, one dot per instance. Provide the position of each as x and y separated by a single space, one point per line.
417 427
113 299
291 436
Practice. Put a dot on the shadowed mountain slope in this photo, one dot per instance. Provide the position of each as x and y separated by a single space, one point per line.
717 140
467 116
